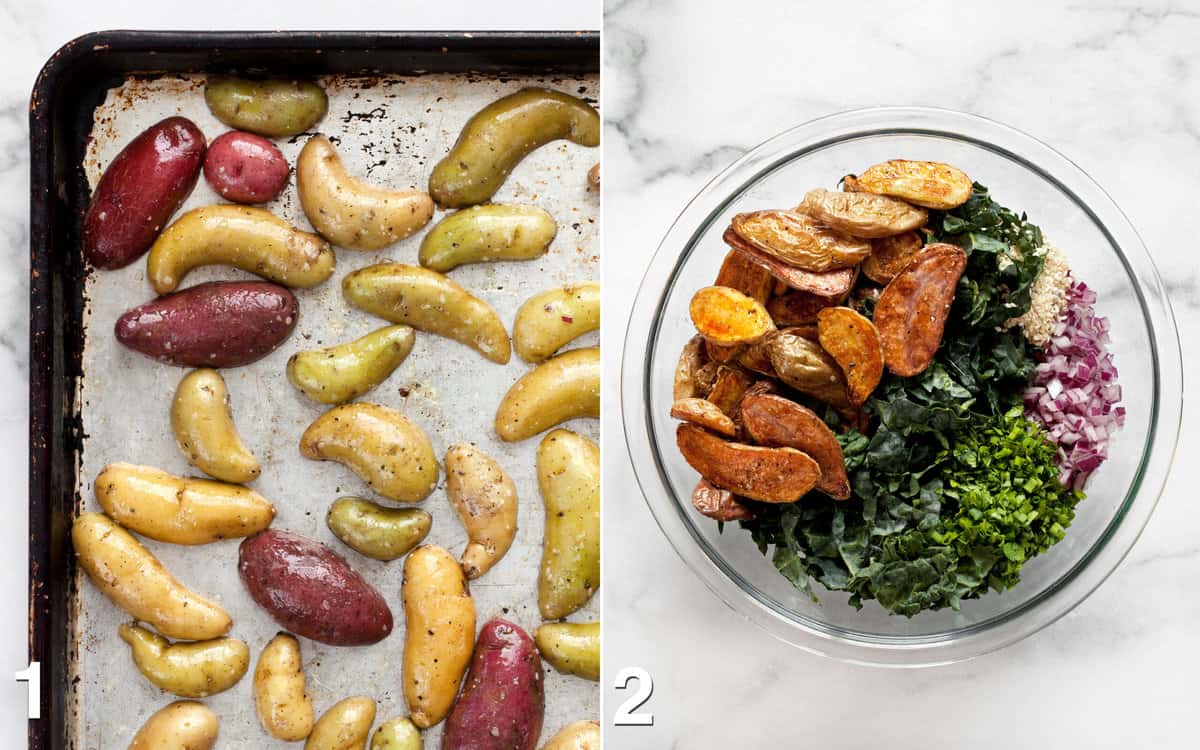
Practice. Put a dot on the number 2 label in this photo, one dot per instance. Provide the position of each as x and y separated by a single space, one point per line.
626 712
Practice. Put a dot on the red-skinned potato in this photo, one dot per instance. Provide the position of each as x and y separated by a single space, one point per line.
245 168
771 475
775 421
146 183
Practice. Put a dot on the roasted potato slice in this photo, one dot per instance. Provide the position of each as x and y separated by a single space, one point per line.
723 353
772 475
691 359
800 240
718 504
802 364
757 358
726 316
911 312
863 215
728 388
889 256
796 308
853 342
779 422
704 413
831 284
740 273
925 183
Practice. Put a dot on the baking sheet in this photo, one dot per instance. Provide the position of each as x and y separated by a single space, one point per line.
391 131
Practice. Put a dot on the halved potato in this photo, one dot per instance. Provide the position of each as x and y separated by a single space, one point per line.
740 273
691 359
772 475
704 413
804 365
863 215
925 183
796 308
911 312
889 256
832 284
853 342
728 388
800 240
718 504
776 421
726 316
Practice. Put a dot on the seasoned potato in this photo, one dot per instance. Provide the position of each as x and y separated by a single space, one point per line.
911 312
772 475
439 633
345 726
568 467
204 431
581 735
375 531
757 358
777 422
802 364
923 183
799 240
493 232
728 388
740 273
889 256
245 237
704 413
281 698
691 359
245 168
275 108
549 321
796 308
485 499
562 388
428 301
386 449
137 582
189 670
853 342
863 215
346 371
180 510
397 734
726 316
349 212
834 284
719 504
571 647
183 725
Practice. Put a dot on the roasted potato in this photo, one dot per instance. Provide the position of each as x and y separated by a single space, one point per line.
189 670
923 183
375 531
562 388
183 725
799 240
889 256
568 468
728 387
740 273
493 232
274 108
346 371
726 316
864 215
485 499
853 342
801 363
691 359
834 284
345 726
719 504
581 735
281 698
245 168
911 312
549 321
397 734
704 413
796 308
571 647
771 475
777 422
202 421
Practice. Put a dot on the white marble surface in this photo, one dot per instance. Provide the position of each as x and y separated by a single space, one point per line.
689 87
32 31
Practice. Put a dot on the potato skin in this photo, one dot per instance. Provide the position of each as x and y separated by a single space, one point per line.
397 734
493 232
924 183
863 215
912 309
311 590
274 108
183 725
245 168
387 450
581 735
571 647
704 413
719 504
771 475
135 197
281 698
189 670
439 632
217 324
485 499
834 284
503 133
347 371
851 339
344 726
564 387
202 421
504 699
549 321
568 468
180 510
775 421
375 531
134 580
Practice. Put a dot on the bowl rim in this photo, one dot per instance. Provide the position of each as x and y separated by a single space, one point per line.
1048 605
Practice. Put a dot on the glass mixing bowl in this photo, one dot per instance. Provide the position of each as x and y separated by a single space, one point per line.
1104 251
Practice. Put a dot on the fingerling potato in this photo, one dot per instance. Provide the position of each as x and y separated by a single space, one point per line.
345 726
134 580
245 168
349 212
853 342
889 256
704 413
397 734
777 422
493 232
799 240
719 504
568 469
386 449
189 670
564 387
375 531
275 108
571 647
581 735
485 499
771 475
202 421
911 312
740 273
549 321
864 215
924 183
281 698
347 371
693 357
834 284
183 725
726 316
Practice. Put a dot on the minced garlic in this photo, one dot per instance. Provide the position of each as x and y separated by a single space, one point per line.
1049 297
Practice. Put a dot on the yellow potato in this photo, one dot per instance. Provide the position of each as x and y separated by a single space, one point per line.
183 725
345 726
571 647
485 499
137 582
203 424
180 510
568 468
428 301
582 735
280 692
493 232
349 212
189 670
562 388
347 371
252 239
391 453
439 633
375 531
397 734
929 184
549 321
276 107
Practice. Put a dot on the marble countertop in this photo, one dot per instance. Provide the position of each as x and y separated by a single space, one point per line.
690 87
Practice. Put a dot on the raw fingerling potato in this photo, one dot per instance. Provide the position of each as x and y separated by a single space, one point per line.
311 590
349 212
139 191
274 108
571 647
851 339
428 301
281 697
189 670
910 314
217 324
562 388
580 735
485 499
503 133
726 316
568 469
503 701
397 734
929 184
439 632
481 234
799 240
375 531
345 726
202 420
549 321
771 475
777 422
245 168
134 580
183 725
180 510
863 215
346 371
252 239
386 449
